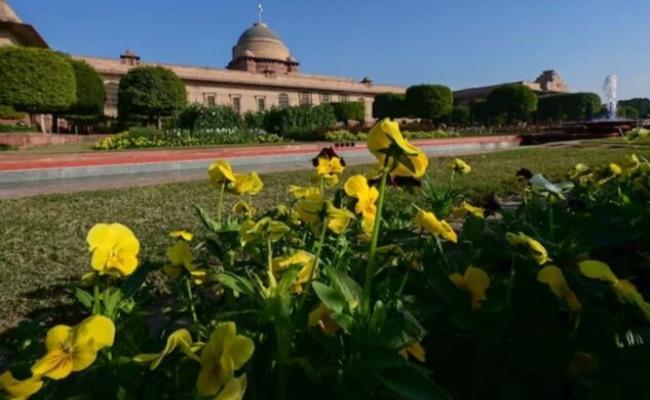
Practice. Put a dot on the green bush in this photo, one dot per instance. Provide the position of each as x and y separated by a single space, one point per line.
642 105
349 111
568 107
197 116
431 102
511 103
479 112
627 112
15 128
91 93
150 93
254 120
436 134
36 80
460 115
389 105
301 122
8 112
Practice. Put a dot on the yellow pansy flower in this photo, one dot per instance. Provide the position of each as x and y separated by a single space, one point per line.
338 219
19 390
181 338
536 249
320 317
427 221
306 260
72 349
265 228
220 172
367 226
180 258
300 192
357 187
314 209
383 137
460 166
184 235
415 350
234 389
244 208
250 184
595 269
475 281
615 169
225 353
554 278
329 166
466 208
114 249
579 170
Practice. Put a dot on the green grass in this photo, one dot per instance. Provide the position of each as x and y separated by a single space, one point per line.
43 238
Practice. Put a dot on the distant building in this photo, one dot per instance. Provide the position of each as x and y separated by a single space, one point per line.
14 32
547 83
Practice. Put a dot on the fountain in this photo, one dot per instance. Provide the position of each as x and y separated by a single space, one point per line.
609 90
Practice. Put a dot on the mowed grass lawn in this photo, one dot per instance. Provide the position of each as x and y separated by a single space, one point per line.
42 239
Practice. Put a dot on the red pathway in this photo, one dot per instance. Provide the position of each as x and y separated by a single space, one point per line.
26 161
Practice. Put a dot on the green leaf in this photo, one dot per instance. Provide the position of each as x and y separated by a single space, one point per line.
289 275
235 282
410 383
209 223
330 297
136 280
85 298
347 286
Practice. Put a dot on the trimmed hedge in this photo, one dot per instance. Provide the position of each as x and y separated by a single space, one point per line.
36 80
8 112
349 111
301 122
568 107
510 103
642 105
627 112
431 102
150 93
91 92
460 115
198 116
389 105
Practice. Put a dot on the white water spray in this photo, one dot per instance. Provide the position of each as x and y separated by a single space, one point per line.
609 89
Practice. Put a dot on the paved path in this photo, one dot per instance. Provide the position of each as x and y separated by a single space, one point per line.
31 175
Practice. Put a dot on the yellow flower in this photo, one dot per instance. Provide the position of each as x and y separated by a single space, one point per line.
415 350
554 278
314 209
220 172
385 137
306 260
321 317
180 338
466 208
536 249
475 281
427 221
19 390
184 235
244 208
247 184
180 257
265 228
579 170
615 169
357 187
338 219
460 166
234 389
300 192
329 166
225 353
594 269
367 226
72 349
114 249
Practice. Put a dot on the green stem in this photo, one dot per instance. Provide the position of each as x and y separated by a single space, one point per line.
511 281
96 304
322 186
312 273
551 219
269 264
220 202
403 284
282 356
190 299
370 267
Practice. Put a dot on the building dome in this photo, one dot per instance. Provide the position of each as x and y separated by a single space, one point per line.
262 42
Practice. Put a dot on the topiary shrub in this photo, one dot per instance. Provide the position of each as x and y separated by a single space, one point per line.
9 113
91 96
389 105
150 93
432 102
511 103
460 115
301 122
36 80
349 111
627 112
568 107
198 116
642 105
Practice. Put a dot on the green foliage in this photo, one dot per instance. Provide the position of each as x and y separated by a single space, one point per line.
91 93
642 105
16 128
512 103
460 115
568 107
389 105
479 112
8 112
301 122
36 80
198 117
431 102
627 112
349 111
343 136
150 93
436 134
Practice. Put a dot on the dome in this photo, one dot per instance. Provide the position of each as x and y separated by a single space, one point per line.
262 42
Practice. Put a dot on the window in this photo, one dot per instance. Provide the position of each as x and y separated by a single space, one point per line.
236 103
261 103
325 98
361 100
305 99
344 98
111 93
283 100
210 99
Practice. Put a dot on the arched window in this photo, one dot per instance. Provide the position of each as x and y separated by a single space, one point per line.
283 100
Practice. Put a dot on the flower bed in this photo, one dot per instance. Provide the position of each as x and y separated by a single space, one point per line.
334 295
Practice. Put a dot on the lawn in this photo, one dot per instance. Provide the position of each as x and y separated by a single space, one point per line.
43 238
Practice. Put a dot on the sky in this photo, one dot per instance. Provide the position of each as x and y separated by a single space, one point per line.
458 43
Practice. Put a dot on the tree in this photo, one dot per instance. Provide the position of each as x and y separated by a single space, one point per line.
389 105
642 105
91 95
430 102
512 102
150 93
627 112
568 107
460 115
36 81
349 111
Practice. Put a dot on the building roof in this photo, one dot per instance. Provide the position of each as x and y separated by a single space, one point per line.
258 31
26 34
262 42
7 14
295 81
